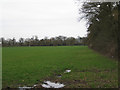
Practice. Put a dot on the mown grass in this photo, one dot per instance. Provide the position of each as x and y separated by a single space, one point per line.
26 66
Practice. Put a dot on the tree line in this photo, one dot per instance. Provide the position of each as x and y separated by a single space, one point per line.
102 21
34 41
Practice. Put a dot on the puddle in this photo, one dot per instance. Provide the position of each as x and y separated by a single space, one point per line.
45 86
67 71
49 84
35 85
25 88
59 76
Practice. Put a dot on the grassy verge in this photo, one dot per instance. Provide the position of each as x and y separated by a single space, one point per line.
32 65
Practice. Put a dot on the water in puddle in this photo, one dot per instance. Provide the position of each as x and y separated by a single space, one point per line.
59 76
49 84
35 85
67 71
25 88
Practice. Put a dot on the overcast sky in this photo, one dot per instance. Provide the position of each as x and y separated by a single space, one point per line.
25 18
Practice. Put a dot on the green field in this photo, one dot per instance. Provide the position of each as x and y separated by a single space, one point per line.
26 66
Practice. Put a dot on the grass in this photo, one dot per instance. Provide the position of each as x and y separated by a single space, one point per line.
26 66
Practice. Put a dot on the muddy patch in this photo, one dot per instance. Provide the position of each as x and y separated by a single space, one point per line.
49 84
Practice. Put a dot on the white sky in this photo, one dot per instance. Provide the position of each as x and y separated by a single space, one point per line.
25 18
